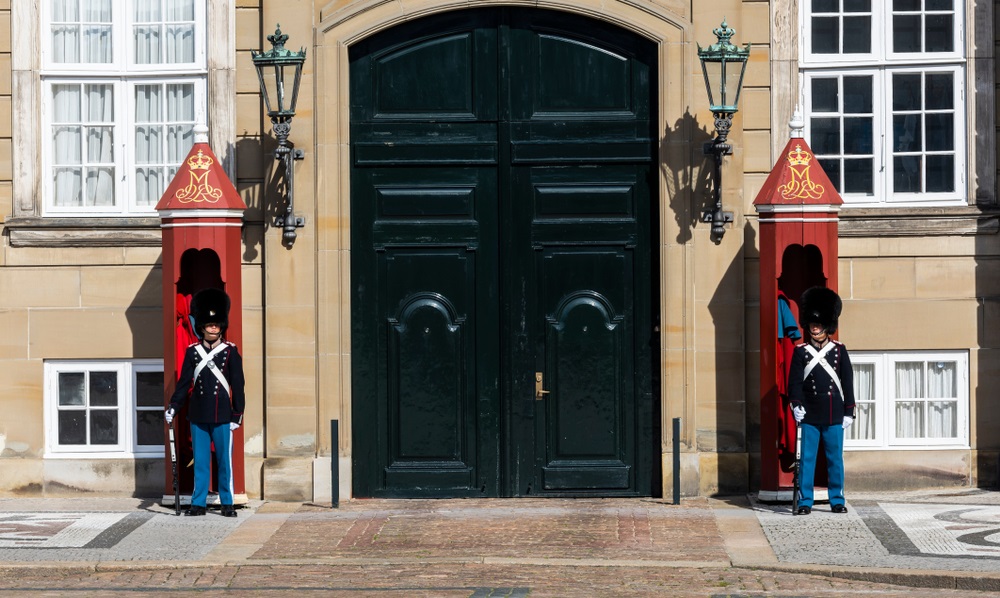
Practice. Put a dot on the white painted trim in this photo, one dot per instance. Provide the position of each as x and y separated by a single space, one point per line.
794 209
200 213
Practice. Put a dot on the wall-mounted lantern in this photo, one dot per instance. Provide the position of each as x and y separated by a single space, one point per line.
723 65
276 69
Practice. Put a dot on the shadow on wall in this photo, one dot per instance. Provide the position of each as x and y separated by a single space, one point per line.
145 320
261 182
985 432
688 172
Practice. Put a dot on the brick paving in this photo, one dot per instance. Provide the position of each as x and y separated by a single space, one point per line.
475 548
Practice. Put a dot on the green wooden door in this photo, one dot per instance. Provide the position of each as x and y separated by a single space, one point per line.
501 209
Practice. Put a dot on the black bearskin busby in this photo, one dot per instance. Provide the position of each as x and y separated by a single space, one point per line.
822 306
210 306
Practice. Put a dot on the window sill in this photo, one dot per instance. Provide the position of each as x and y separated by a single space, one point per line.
83 232
918 222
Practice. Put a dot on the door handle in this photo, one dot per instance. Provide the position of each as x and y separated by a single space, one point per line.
540 392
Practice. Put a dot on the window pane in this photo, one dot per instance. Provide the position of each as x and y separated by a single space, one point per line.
825 95
905 5
940 91
146 39
97 10
180 44
103 389
826 135
832 169
97 44
65 10
858 135
940 132
864 423
910 380
103 426
72 427
938 5
857 35
857 6
66 100
942 419
858 176
858 95
939 33
65 44
149 389
146 12
906 174
910 419
825 5
906 133
941 380
906 91
100 103
71 389
906 33
100 189
180 10
68 187
940 174
825 35
149 428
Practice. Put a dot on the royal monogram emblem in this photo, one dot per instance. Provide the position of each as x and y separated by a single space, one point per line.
198 189
800 186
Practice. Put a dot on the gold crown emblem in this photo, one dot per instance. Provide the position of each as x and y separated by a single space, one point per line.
200 161
797 157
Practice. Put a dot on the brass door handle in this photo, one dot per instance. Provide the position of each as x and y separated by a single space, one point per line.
540 392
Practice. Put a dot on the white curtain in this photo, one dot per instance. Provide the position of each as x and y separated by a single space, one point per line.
67 141
165 36
164 133
942 415
909 413
81 36
864 395
100 183
149 183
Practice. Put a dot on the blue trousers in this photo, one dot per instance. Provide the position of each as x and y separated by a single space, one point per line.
833 444
202 437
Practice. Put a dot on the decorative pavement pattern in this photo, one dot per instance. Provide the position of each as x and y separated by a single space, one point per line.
891 534
67 530
954 530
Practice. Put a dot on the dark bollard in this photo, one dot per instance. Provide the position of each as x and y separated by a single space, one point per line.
677 460
335 462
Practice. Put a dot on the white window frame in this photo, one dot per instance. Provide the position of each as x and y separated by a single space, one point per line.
884 403
123 74
127 446
882 62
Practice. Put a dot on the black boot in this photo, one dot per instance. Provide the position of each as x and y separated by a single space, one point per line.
195 511
228 511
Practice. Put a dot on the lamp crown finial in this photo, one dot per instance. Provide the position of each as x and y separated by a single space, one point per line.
278 38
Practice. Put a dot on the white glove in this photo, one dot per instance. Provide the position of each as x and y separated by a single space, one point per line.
169 415
799 413
848 420
233 426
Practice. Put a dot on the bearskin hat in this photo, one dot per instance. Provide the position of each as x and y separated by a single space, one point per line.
210 306
822 306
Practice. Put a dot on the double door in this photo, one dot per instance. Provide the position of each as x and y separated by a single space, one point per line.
501 271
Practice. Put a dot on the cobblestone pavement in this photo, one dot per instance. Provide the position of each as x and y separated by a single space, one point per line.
887 545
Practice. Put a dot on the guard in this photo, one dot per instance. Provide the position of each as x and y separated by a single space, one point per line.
821 394
212 378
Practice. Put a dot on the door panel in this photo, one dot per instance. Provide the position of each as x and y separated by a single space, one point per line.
500 227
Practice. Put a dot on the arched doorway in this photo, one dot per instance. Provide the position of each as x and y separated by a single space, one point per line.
502 270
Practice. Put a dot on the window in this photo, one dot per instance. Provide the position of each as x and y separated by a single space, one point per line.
883 86
910 400
112 408
123 84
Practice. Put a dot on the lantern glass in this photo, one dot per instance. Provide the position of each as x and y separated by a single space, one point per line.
279 83
724 81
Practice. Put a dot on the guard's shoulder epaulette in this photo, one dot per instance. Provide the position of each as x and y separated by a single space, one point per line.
193 344
231 344
800 345
836 342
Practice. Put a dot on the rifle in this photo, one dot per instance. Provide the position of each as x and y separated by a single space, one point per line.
797 484
173 467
